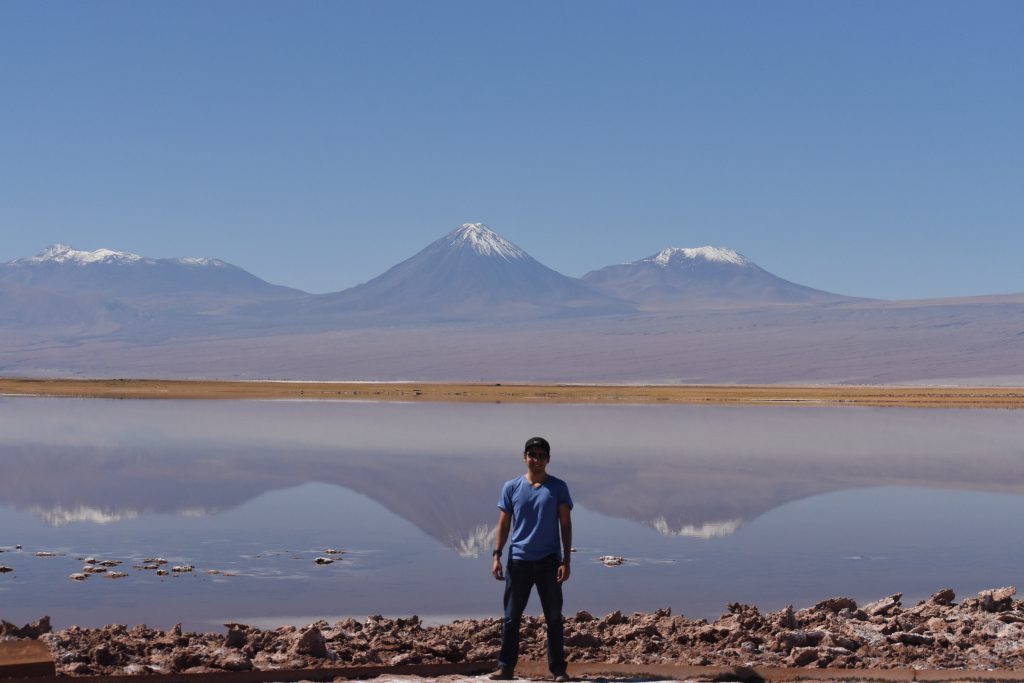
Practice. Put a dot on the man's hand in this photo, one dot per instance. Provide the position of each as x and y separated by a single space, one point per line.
563 572
496 569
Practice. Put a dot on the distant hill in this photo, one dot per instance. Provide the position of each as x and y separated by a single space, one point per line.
130 277
686 277
65 287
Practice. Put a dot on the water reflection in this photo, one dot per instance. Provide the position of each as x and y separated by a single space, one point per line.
699 472
714 488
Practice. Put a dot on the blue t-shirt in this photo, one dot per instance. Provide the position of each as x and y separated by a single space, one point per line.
535 527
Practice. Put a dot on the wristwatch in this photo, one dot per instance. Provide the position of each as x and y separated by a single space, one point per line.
496 553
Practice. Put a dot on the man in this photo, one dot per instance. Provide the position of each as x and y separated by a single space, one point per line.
536 509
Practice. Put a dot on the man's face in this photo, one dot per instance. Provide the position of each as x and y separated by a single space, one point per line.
536 460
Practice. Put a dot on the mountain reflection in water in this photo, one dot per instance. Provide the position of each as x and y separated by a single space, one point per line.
699 472
700 478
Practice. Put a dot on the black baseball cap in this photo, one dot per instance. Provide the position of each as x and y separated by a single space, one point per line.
539 443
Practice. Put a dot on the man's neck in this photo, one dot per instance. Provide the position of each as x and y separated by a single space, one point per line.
535 478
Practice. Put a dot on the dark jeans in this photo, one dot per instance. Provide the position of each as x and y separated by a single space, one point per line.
520 576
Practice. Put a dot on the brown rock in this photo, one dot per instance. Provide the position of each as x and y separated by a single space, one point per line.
311 643
102 656
802 656
997 600
788 640
235 637
33 630
943 597
787 619
584 640
846 642
184 659
232 660
835 604
614 618
908 638
883 606
405 658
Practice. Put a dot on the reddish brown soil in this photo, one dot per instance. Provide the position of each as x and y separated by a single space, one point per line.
985 631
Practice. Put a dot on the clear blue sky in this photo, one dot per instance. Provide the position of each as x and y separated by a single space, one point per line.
869 148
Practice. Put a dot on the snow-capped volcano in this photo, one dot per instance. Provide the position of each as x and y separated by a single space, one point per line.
483 241
688 276
472 273
680 256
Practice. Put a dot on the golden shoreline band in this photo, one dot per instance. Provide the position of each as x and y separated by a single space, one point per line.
859 395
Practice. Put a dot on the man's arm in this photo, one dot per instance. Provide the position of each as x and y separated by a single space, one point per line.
504 524
565 522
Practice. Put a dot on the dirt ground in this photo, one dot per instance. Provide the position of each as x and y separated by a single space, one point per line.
985 631
944 397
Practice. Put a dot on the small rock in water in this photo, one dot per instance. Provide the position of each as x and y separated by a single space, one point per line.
154 560
90 569
145 566
213 571
323 560
47 553
116 575
4 569
17 547
182 568
90 560
161 572
110 563
611 560
77 577
332 551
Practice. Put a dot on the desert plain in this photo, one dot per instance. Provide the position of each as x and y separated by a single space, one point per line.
720 394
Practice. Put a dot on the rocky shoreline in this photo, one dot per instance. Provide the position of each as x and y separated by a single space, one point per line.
981 632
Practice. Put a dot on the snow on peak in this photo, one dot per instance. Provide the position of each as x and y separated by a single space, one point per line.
707 530
62 253
201 261
65 254
484 241
714 254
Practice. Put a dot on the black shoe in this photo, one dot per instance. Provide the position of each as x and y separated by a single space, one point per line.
561 678
502 675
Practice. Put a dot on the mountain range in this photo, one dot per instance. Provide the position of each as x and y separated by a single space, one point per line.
472 274
474 306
